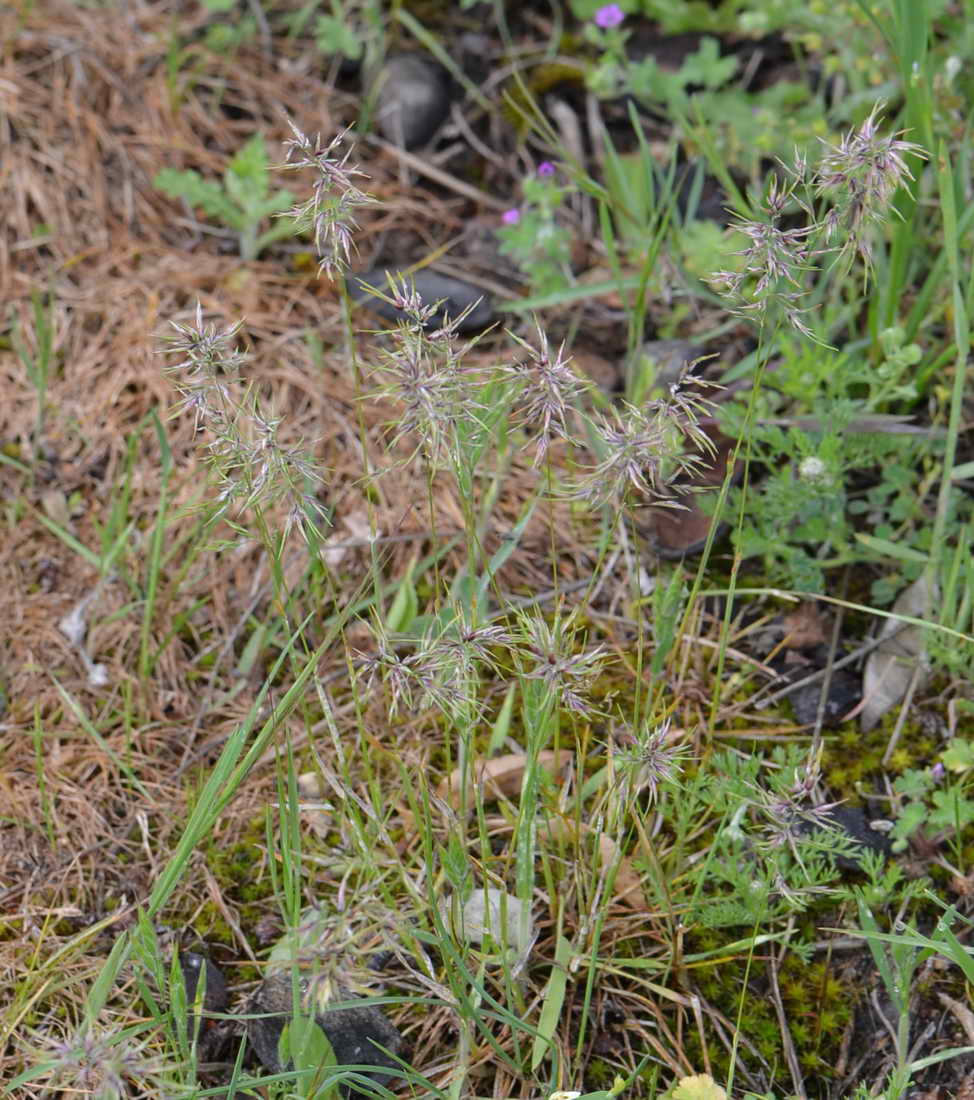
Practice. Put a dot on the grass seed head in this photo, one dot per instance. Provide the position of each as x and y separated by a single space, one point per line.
329 212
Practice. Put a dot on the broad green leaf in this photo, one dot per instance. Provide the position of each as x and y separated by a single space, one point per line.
958 756
248 168
554 1000
404 607
336 36
891 549
304 1045
502 723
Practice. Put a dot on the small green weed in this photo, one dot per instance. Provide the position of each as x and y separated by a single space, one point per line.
232 28
747 127
842 467
938 799
532 236
242 202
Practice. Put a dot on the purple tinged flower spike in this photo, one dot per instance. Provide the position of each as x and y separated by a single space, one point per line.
548 390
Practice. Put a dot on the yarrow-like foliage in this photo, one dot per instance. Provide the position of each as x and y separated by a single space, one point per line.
792 822
329 213
255 468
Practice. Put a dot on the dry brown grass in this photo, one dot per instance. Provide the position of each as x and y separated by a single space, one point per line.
87 118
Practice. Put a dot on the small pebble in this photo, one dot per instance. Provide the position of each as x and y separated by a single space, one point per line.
412 99
355 1033
484 918
844 693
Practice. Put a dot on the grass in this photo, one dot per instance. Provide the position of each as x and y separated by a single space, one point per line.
322 640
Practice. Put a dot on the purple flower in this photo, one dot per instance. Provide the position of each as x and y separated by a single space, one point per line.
511 217
937 772
546 168
611 15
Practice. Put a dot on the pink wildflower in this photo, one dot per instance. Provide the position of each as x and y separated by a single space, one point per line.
611 15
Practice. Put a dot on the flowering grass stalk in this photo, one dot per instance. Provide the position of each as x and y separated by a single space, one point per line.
550 654
103 1063
645 454
425 375
255 468
857 177
652 759
548 390
329 211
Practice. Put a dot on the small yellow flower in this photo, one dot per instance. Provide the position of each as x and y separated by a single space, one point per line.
700 1087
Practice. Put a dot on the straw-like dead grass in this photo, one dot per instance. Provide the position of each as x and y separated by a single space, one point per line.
89 113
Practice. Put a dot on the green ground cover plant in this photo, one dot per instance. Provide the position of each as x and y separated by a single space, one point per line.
241 203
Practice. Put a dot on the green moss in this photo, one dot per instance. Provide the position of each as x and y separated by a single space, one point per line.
233 866
852 757
599 1075
211 926
817 1003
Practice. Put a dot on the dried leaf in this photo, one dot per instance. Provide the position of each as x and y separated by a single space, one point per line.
501 776
357 525
313 808
74 626
55 505
484 916
628 882
962 1014
805 627
893 663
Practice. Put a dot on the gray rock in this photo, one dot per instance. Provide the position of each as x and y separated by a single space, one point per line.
412 99
215 998
845 691
455 295
355 1033
852 823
